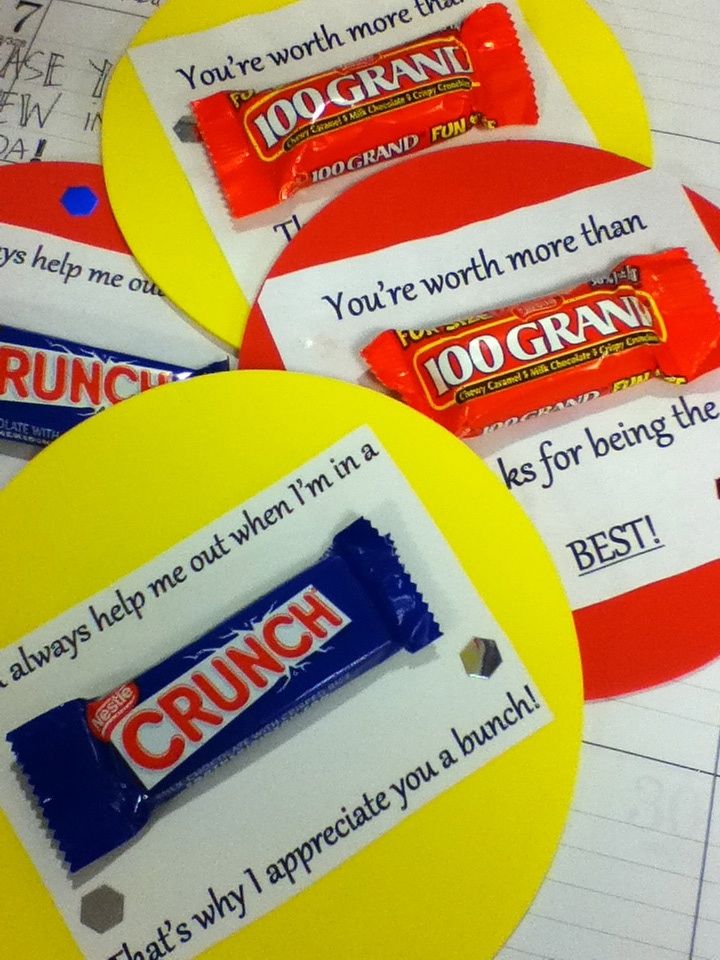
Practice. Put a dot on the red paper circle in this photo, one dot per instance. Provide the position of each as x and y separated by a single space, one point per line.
641 638
31 197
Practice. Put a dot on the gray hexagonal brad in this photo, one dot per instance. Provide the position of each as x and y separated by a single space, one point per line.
79 201
186 130
102 909
480 657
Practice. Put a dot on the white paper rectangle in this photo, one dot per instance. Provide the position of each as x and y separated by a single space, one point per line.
655 516
181 69
100 297
297 779
93 296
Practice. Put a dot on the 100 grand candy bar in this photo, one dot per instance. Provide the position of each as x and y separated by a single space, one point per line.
652 316
100 768
267 145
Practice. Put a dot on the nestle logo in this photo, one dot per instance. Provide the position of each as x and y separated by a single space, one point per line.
104 714
538 306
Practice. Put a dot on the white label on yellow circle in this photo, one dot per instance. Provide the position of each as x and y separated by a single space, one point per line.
260 829
305 38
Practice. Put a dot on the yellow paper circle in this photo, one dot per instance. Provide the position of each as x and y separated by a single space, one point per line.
157 210
453 879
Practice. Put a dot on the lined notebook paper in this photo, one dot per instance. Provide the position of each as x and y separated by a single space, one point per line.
637 876
674 46
56 57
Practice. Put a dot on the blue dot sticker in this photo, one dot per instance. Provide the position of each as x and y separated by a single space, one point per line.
79 201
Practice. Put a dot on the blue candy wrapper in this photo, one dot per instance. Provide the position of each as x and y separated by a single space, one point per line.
48 385
100 768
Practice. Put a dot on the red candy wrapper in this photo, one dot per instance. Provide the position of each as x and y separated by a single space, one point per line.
265 146
653 316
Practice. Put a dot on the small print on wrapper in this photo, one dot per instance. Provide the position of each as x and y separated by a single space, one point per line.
49 385
100 768
652 316
265 146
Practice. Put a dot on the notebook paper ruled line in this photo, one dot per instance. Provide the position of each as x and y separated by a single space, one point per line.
706 848
636 875
675 50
